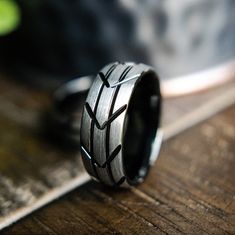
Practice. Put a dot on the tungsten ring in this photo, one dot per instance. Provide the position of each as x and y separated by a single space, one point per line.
120 134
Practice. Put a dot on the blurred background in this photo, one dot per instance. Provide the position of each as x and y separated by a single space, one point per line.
190 43
44 42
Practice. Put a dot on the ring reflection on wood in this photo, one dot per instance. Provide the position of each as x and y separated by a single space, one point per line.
120 134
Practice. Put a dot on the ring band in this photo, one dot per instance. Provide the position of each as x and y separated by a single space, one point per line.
120 135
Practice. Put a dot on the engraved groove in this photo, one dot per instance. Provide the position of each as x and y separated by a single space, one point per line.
104 79
111 118
121 78
120 181
109 159
111 69
108 85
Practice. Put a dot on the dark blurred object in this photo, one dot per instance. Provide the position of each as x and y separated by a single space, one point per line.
61 39
62 120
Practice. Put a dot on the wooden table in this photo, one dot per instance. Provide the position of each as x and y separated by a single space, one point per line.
190 190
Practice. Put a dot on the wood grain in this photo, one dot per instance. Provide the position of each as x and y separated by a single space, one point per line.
191 190
35 170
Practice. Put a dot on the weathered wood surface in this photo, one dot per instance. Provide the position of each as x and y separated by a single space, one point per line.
34 170
191 190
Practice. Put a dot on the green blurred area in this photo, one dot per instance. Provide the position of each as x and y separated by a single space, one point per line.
9 16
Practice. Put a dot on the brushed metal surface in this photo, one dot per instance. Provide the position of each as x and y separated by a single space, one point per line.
103 122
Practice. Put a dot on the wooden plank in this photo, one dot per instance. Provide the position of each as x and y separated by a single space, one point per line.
191 190
34 170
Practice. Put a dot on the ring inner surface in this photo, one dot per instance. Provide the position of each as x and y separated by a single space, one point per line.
141 124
